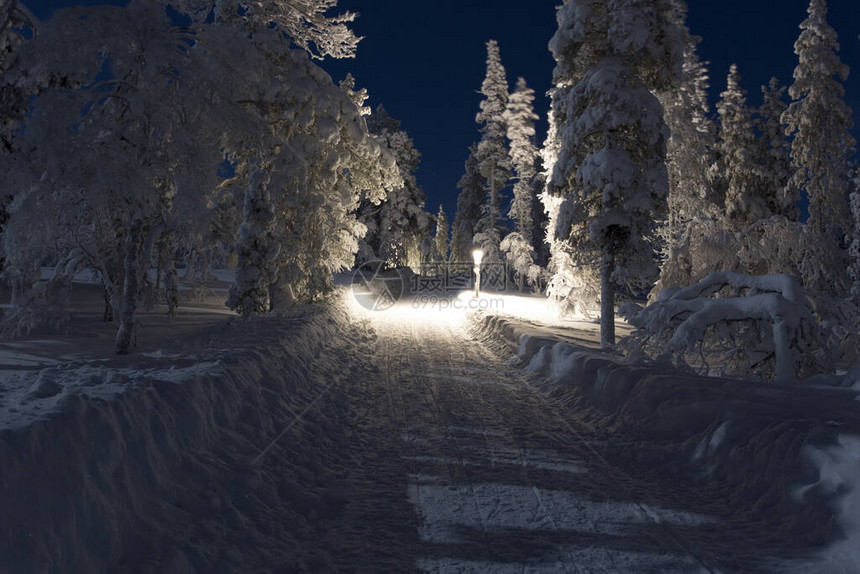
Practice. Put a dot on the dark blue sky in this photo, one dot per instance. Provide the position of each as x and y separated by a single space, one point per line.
425 61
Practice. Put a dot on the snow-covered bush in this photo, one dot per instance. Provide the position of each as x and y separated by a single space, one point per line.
735 324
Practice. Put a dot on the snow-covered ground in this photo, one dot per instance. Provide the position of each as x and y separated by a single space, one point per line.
424 436
787 453
219 446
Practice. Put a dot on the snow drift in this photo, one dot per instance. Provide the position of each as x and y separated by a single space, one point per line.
137 482
775 451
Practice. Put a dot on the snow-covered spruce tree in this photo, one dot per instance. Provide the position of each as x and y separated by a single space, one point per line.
441 237
774 153
820 122
610 174
397 226
693 207
256 247
854 249
494 164
570 286
520 119
469 202
518 245
738 170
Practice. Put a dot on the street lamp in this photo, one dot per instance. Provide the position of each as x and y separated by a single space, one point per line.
477 254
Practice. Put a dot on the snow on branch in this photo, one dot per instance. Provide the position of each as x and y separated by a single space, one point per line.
781 283
725 318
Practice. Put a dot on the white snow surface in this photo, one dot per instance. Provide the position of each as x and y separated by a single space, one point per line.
322 438
166 460
794 445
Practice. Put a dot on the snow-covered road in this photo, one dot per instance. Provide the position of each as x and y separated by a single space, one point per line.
337 439
498 477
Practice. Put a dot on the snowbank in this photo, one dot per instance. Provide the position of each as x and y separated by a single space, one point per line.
121 465
753 442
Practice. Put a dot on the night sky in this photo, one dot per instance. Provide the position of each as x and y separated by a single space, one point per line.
425 61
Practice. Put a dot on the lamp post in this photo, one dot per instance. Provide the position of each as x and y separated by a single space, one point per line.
477 254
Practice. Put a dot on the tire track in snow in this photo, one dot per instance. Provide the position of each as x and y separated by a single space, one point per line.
472 403
613 474
451 368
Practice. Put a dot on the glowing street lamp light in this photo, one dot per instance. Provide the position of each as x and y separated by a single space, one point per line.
477 254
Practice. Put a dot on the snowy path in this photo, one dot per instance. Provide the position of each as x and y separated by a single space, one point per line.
498 479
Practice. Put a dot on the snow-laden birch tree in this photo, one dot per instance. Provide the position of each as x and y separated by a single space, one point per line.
125 162
610 174
108 159
397 225
305 22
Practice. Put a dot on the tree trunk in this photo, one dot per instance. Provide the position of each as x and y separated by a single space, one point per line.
281 297
167 265
607 300
108 314
127 333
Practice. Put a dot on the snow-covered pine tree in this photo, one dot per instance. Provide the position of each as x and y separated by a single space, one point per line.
738 170
570 286
820 122
469 203
518 246
441 237
493 162
774 153
610 175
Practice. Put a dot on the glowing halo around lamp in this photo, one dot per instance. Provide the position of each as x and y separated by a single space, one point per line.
477 255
